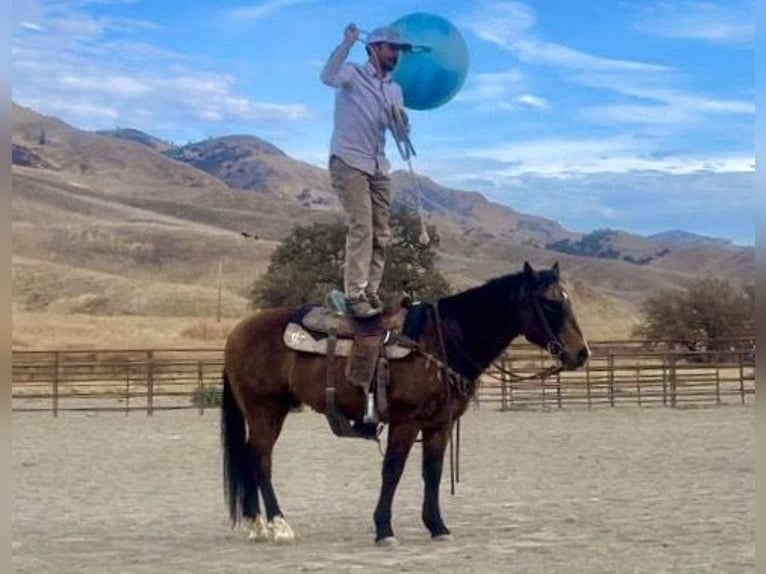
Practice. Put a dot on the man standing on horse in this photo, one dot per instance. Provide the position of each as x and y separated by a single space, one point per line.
367 102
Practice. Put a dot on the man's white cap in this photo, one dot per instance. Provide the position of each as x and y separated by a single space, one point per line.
388 35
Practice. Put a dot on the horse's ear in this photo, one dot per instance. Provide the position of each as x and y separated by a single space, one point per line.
529 273
555 270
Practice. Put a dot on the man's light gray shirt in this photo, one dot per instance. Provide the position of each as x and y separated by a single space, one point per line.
362 111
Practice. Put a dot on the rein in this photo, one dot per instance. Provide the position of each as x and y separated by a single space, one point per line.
467 387
498 366
452 459
554 347
452 379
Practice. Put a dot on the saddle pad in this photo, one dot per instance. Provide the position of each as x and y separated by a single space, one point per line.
298 339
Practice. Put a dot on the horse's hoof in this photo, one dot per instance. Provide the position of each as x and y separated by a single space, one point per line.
257 531
256 537
387 541
442 538
280 531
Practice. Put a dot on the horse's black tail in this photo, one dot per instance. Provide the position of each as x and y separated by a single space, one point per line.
236 460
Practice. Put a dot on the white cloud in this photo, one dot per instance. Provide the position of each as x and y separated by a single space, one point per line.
538 52
652 103
659 89
483 88
502 23
568 158
31 26
510 26
500 91
203 96
725 23
94 115
258 11
119 86
650 95
87 72
533 101
644 201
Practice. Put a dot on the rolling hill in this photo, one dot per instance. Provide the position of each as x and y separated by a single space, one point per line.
118 223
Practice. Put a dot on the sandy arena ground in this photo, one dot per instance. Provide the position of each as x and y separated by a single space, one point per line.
611 490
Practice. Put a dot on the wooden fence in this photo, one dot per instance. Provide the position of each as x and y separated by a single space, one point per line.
627 373
619 373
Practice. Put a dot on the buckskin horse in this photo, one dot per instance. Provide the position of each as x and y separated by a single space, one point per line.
428 390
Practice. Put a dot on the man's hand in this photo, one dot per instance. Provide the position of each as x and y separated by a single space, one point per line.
350 34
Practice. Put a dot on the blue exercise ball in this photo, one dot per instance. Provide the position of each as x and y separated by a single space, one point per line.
433 72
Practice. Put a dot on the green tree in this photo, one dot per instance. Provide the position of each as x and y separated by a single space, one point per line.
309 263
595 244
709 309
304 268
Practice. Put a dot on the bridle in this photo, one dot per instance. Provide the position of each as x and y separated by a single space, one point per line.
463 384
554 345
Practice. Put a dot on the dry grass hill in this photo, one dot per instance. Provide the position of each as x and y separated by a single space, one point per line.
119 239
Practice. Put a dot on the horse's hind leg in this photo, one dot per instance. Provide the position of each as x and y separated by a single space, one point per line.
240 479
266 422
254 521
434 445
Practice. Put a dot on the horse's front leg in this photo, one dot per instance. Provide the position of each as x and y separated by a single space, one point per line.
434 444
401 437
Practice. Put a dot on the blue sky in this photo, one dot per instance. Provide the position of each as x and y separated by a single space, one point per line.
636 115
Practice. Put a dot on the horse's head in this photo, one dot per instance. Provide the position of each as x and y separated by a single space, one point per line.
548 319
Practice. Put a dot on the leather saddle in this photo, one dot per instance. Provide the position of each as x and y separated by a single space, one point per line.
367 345
311 332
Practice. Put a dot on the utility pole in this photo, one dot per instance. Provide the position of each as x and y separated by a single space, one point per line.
220 273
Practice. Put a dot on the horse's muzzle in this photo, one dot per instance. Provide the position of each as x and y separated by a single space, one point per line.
575 360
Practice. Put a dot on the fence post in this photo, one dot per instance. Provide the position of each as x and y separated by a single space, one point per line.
718 385
56 365
664 380
201 388
638 383
508 365
610 366
673 382
741 356
587 383
127 394
150 383
503 390
558 389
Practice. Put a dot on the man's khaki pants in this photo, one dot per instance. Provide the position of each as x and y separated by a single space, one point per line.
366 199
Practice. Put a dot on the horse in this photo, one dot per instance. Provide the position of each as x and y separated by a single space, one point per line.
462 334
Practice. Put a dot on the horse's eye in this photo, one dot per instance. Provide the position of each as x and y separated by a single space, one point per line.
557 293
552 297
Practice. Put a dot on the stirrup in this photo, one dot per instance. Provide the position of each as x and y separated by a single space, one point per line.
370 416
